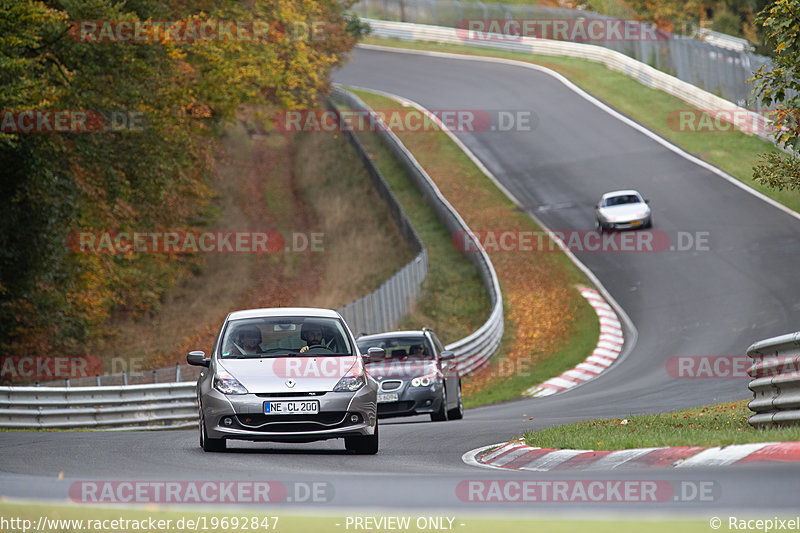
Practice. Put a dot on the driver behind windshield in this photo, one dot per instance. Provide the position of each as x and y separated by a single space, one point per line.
312 334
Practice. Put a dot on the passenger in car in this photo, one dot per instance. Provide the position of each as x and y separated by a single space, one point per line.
417 349
247 340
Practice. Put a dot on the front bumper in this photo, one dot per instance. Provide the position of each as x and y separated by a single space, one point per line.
411 400
242 417
628 224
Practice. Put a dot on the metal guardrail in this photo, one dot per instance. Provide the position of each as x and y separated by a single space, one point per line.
711 63
776 383
173 374
643 73
475 350
382 309
168 405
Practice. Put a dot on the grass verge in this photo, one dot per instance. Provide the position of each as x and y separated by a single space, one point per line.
713 425
732 151
549 327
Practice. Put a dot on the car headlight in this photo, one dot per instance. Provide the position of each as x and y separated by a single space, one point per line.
227 384
350 384
424 381
353 380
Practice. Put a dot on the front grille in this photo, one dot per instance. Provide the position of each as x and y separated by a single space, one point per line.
290 394
394 407
295 423
391 385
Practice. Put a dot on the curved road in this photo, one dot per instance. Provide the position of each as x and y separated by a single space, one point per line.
700 302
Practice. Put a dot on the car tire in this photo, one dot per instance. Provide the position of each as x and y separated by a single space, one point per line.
441 414
206 443
457 413
363 444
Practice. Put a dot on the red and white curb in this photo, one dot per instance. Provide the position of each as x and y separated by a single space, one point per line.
516 455
609 346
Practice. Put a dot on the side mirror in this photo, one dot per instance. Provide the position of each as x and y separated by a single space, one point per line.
646 201
198 358
447 354
375 353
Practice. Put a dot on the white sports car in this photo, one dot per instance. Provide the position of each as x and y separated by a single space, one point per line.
623 210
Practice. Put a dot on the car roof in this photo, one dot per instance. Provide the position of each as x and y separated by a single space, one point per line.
391 334
284 311
621 193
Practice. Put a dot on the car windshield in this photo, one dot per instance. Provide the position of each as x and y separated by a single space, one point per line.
399 348
622 200
278 336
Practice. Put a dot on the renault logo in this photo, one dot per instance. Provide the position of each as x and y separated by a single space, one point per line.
290 383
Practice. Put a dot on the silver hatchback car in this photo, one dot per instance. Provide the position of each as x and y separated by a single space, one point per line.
286 375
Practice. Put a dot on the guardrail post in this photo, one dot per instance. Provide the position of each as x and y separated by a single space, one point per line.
124 378
177 372
97 379
155 377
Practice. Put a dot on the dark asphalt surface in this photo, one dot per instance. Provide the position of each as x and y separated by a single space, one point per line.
699 302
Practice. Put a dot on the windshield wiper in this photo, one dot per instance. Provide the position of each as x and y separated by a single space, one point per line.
259 355
307 354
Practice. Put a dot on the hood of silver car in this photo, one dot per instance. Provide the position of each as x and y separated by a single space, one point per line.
400 369
289 374
625 211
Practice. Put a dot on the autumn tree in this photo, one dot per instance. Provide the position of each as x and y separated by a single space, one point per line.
152 177
779 89
676 16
